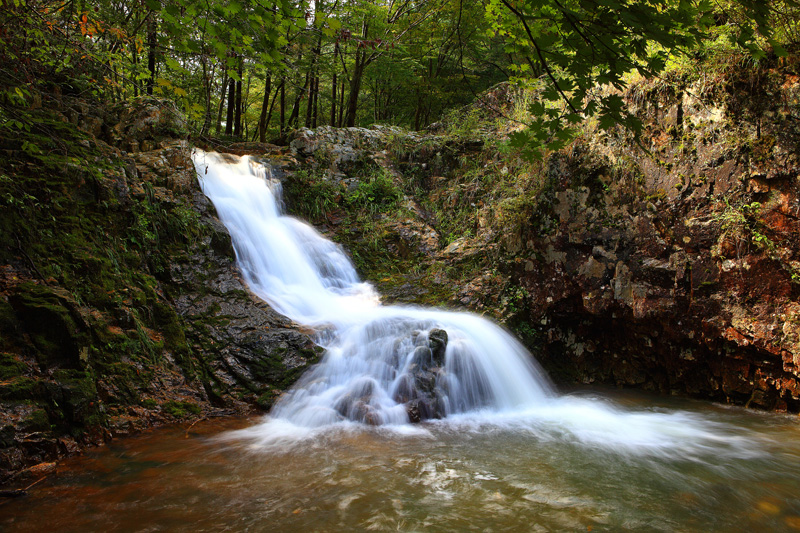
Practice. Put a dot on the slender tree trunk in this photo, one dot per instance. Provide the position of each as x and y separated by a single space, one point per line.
311 110
355 88
333 84
237 121
229 117
222 100
316 103
207 77
272 106
283 110
135 61
313 86
246 105
417 112
341 105
152 42
375 104
294 117
262 118
355 79
333 100
310 98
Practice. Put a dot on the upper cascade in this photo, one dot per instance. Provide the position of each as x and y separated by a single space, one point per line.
383 364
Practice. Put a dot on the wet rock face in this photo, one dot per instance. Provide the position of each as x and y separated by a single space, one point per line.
422 386
251 352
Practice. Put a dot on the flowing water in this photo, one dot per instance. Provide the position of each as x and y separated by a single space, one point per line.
501 450
465 474
379 360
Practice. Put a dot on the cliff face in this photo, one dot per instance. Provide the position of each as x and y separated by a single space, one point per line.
676 270
671 263
120 304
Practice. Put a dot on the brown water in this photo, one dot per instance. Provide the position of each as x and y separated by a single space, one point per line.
470 474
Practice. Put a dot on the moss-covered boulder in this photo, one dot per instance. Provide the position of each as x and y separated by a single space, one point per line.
50 317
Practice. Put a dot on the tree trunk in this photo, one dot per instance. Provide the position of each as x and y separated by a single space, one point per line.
375 103
135 61
272 106
355 79
316 103
341 105
246 105
237 121
222 100
229 117
310 97
355 88
207 77
283 109
333 84
262 119
417 111
152 42
294 117
333 100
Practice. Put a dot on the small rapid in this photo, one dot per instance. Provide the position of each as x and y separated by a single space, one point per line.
392 365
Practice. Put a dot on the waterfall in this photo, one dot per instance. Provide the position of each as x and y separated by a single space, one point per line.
391 365
382 364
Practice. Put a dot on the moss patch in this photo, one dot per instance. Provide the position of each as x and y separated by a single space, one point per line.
10 366
178 409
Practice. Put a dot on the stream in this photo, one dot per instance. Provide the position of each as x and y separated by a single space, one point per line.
463 474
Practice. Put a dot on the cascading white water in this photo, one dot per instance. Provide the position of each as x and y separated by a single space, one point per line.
389 365
379 365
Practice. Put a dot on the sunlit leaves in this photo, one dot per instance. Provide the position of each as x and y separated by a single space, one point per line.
580 46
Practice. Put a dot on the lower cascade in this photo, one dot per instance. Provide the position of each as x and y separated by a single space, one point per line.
393 365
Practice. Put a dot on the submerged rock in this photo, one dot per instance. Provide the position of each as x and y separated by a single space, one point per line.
421 388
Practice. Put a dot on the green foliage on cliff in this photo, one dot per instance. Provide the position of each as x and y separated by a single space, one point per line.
582 54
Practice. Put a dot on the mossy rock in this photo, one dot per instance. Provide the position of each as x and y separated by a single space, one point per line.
7 433
268 364
149 403
56 329
266 400
148 118
170 325
21 389
8 319
181 409
78 394
10 366
37 420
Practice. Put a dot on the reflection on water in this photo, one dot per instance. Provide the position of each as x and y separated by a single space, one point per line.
530 472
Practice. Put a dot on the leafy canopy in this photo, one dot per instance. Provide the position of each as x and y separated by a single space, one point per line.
578 54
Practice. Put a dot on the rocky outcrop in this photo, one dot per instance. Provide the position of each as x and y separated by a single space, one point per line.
250 352
120 303
676 269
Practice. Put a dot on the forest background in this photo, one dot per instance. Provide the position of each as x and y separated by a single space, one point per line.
254 70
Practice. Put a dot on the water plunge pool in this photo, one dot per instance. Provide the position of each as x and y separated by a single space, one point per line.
736 470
